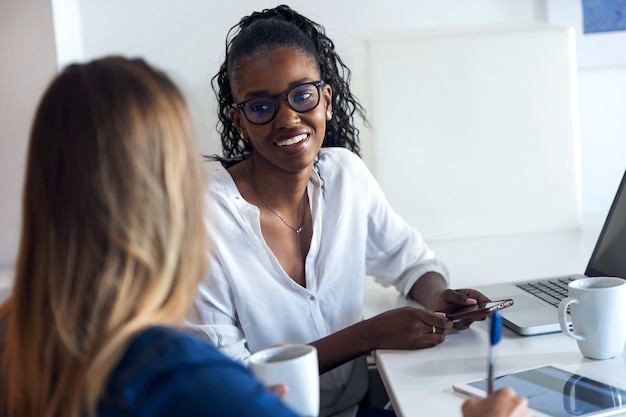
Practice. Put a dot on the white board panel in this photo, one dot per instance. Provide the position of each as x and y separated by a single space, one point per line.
475 131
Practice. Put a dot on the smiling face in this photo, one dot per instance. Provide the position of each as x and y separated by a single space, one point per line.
291 140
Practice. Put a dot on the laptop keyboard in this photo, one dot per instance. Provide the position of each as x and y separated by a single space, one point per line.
551 291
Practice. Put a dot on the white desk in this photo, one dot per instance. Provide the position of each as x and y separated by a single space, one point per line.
419 382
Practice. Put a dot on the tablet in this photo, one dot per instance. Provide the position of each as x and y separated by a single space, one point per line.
552 390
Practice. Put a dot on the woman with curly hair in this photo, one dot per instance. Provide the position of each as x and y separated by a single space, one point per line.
340 129
300 221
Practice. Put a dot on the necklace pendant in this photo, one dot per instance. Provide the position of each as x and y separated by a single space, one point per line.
297 230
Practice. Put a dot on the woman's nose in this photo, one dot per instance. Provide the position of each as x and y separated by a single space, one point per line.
285 115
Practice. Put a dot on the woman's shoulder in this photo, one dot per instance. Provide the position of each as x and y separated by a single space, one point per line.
159 351
215 172
167 347
219 183
339 159
167 371
338 153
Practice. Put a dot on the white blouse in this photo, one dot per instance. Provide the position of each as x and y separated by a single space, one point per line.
247 302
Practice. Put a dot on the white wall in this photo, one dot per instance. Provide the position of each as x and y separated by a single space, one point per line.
187 39
28 64
602 88
603 133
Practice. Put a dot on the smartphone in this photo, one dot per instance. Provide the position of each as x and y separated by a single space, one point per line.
481 309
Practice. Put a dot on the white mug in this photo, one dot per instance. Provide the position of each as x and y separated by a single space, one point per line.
597 312
295 366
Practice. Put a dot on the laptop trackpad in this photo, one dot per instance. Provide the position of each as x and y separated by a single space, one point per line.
525 302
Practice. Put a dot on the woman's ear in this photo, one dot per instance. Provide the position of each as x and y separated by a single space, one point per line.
235 116
327 92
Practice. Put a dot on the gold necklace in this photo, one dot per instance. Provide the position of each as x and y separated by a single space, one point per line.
295 229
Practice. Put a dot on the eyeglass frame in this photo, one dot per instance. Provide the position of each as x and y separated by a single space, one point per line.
275 97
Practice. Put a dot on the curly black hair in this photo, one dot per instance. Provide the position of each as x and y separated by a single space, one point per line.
282 26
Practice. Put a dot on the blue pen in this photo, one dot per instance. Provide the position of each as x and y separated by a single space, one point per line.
496 335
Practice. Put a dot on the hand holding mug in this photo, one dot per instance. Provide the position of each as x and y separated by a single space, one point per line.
294 367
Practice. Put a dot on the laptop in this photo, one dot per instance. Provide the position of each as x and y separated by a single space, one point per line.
536 302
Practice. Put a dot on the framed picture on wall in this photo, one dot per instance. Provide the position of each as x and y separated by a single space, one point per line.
600 27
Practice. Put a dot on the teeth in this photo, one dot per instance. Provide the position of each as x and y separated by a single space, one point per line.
292 140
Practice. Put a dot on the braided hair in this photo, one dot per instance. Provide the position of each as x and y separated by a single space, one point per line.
282 26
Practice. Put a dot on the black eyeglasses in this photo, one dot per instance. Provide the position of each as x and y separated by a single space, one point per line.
301 98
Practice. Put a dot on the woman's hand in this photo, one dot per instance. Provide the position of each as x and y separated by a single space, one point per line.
401 328
430 290
281 390
407 328
502 403
448 301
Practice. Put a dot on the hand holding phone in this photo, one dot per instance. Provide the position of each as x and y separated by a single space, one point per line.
479 310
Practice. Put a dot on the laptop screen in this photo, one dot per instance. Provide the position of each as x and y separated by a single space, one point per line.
609 255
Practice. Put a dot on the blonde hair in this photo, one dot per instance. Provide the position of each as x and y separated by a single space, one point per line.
112 234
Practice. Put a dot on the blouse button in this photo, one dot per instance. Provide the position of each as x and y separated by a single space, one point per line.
312 298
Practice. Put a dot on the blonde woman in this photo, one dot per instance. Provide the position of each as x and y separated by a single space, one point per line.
112 250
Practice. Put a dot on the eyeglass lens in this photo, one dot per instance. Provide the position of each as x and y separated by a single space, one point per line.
302 98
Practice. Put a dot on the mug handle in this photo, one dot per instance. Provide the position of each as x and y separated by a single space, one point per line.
563 318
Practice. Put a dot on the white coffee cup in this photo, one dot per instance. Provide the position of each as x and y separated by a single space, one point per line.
597 312
295 366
